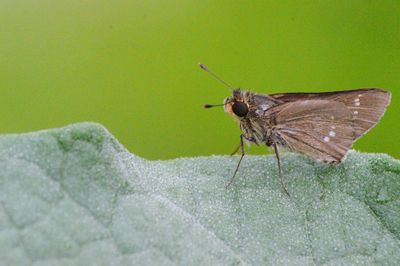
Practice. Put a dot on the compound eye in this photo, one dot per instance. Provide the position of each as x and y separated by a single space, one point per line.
240 109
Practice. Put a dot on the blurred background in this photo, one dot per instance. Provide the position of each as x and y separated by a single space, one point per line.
132 65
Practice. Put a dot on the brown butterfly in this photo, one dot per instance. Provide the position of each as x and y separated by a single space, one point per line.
322 126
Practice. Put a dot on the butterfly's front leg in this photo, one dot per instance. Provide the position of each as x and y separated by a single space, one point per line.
249 139
241 145
236 150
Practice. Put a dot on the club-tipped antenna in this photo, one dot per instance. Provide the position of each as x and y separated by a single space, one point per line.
202 66
213 105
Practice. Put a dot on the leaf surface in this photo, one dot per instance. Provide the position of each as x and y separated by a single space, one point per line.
75 196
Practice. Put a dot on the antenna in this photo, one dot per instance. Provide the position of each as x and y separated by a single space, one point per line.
202 66
213 105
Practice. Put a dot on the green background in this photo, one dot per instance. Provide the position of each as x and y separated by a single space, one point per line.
132 65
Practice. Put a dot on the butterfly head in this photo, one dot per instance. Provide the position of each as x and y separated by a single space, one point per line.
236 104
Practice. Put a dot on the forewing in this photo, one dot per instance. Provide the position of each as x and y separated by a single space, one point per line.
366 105
320 129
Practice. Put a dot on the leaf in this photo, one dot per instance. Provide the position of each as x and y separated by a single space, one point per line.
75 196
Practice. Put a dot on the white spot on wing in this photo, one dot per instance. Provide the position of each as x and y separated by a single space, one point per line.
333 127
332 133
356 112
327 139
357 100
357 103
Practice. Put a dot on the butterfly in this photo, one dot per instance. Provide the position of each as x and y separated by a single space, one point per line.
322 126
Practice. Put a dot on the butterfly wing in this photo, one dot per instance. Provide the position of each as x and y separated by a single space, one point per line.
321 129
367 105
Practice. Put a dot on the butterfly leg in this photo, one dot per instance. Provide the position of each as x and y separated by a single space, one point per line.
236 150
237 167
283 182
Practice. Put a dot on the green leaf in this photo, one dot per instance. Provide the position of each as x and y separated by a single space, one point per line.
75 196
